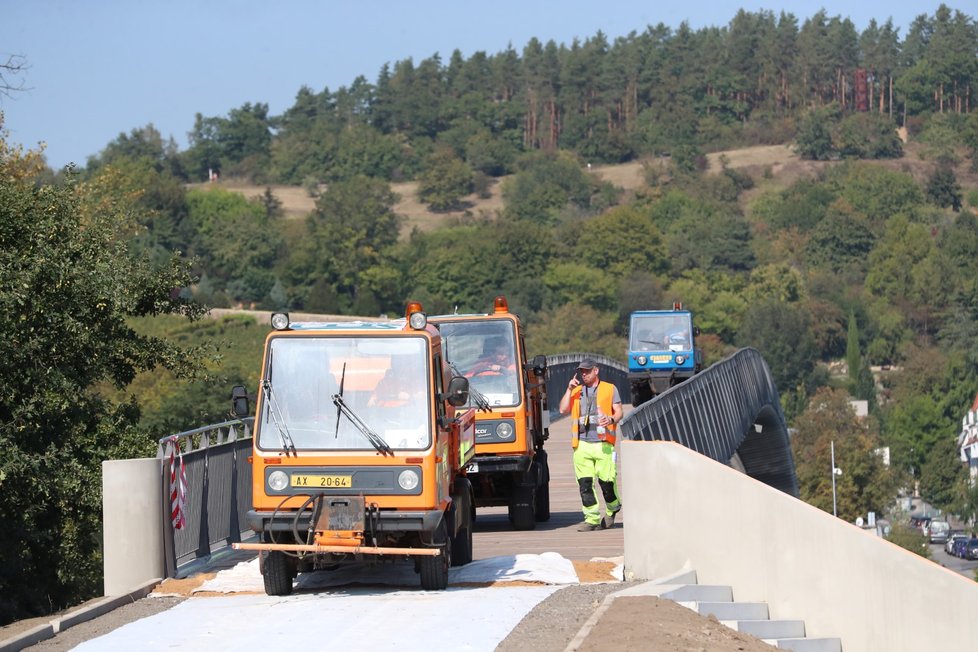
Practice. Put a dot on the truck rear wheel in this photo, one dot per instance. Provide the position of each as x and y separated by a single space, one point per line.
543 488
278 572
522 505
434 569
462 544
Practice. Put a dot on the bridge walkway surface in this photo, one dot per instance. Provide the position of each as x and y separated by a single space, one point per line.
596 557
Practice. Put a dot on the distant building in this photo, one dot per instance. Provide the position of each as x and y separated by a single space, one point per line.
861 408
968 440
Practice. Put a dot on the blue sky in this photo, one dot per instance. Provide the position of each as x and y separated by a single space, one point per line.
103 67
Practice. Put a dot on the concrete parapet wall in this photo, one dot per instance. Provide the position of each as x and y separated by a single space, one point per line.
688 512
132 523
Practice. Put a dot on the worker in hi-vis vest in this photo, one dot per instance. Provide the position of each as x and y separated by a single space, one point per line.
595 409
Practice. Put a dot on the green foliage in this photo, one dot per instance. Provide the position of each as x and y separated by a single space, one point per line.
236 239
909 538
709 236
781 332
620 241
454 268
575 327
445 183
865 484
352 228
69 285
171 404
813 139
943 189
942 473
543 186
841 242
853 356
868 135
238 145
577 282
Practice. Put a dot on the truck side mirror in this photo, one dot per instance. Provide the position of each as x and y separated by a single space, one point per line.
458 391
239 402
539 364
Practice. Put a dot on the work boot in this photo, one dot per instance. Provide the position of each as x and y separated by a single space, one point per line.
609 521
588 527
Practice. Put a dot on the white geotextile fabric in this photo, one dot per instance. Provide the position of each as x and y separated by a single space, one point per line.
547 568
347 618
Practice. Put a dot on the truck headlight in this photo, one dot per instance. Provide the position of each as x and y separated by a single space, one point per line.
680 359
504 430
408 479
642 360
278 480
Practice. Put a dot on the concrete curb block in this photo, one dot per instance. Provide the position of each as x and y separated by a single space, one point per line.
582 634
81 615
30 637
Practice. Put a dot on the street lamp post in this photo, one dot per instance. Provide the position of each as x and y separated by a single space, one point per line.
835 471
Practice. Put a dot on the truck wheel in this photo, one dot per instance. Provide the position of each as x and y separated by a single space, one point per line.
434 570
522 507
462 544
641 394
543 488
278 573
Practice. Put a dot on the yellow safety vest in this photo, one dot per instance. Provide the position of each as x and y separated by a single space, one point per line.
606 397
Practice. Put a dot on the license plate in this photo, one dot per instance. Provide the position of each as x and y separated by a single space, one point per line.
662 358
323 481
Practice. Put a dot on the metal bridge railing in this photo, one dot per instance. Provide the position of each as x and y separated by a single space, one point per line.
561 367
218 492
731 408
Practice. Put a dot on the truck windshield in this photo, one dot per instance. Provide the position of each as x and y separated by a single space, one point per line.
666 332
383 381
485 353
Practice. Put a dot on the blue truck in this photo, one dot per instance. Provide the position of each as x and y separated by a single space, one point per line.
661 351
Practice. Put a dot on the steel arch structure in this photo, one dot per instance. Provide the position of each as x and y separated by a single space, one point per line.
729 412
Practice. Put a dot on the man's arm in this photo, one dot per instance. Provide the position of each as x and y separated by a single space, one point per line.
565 400
617 412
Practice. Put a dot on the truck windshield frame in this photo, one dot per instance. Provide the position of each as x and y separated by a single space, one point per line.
661 332
386 383
484 351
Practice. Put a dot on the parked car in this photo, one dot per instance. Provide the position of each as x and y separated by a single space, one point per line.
937 531
971 550
951 540
920 522
960 548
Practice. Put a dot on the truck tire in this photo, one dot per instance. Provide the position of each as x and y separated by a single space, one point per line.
277 573
641 393
543 488
462 543
523 507
434 569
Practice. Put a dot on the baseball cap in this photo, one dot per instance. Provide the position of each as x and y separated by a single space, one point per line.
587 363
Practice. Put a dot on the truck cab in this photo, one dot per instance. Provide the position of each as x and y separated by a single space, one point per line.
361 439
661 351
508 392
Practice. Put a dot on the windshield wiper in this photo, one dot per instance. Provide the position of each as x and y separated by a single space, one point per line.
373 437
475 395
283 430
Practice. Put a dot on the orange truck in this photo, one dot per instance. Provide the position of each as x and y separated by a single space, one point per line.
509 393
360 449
